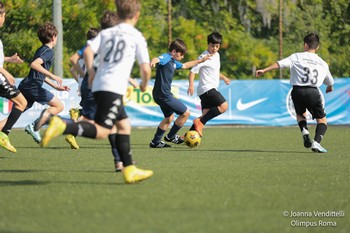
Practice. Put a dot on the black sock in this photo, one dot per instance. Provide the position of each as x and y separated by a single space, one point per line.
320 132
213 112
192 127
113 142
11 120
123 146
174 129
158 136
302 124
82 128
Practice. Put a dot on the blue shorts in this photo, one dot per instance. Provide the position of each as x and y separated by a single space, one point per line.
87 102
170 106
37 94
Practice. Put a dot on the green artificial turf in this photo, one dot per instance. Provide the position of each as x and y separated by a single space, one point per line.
240 179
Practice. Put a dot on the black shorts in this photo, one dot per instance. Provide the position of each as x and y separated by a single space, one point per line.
211 98
7 90
110 108
309 98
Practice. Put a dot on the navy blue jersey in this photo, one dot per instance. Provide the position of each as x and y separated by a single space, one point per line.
35 78
164 76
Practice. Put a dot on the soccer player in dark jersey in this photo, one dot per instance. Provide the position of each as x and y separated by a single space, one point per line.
167 64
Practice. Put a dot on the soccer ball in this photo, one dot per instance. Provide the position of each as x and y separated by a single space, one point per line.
192 139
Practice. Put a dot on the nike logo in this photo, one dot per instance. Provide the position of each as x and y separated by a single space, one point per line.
243 106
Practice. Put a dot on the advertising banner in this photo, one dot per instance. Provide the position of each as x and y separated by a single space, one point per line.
251 102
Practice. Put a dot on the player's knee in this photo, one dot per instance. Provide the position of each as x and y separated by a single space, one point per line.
223 107
187 114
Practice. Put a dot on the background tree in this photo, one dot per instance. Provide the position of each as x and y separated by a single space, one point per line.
249 28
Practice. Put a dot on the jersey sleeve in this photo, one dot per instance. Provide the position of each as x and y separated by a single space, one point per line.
178 65
47 55
329 81
164 58
81 51
142 54
286 62
95 43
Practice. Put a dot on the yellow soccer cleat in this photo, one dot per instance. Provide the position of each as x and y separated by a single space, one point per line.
74 113
133 174
72 142
56 128
5 143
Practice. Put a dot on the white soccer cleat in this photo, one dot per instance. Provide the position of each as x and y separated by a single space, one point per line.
316 147
306 138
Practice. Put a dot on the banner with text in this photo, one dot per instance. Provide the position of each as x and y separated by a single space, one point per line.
251 102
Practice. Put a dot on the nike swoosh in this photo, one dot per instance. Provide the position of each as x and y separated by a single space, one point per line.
243 106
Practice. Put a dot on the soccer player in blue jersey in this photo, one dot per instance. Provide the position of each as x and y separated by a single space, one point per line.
32 86
167 64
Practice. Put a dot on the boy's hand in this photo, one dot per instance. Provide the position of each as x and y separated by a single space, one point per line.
154 62
15 59
227 81
329 89
259 73
206 57
143 86
62 88
190 90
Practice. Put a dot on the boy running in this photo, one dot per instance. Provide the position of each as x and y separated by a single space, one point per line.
168 63
9 91
31 86
307 73
213 103
118 47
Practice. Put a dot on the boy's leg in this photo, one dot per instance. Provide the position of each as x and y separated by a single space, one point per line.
117 161
304 130
161 129
321 129
12 93
213 104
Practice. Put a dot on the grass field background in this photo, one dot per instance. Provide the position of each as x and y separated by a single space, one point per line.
237 180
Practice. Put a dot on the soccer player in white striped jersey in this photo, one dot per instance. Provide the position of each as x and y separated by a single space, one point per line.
307 73
118 48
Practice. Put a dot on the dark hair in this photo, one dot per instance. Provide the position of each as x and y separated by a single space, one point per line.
127 9
178 45
91 33
46 32
2 7
109 19
312 40
214 38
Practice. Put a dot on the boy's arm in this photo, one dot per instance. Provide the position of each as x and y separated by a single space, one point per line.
74 60
36 65
145 73
226 80
54 85
7 75
189 64
74 73
13 59
89 59
154 62
190 89
274 66
133 82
